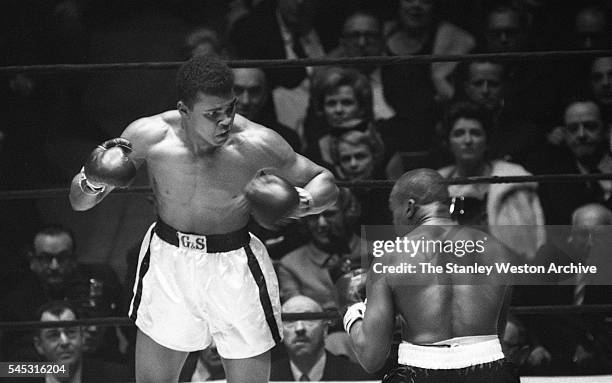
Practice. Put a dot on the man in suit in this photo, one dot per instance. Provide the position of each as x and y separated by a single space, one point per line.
64 345
574 344
56 274
585 135
308 360
285 29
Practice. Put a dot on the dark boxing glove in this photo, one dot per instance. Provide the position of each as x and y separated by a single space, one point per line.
272 199
109 165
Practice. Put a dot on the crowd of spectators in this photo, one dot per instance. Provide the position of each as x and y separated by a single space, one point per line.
363 122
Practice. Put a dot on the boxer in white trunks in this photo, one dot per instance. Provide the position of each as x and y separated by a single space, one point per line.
201 275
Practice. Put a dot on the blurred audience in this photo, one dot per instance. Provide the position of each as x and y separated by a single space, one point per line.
576 344
585 151
333 250
341 101
533 86
512 137
591 28
511 212
414 91
601 85
358 156
362 36
56 274
283 29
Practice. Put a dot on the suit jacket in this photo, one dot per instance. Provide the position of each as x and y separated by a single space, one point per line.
258 36
336 368
558 206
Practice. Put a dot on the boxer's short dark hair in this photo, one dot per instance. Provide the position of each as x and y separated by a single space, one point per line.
203 73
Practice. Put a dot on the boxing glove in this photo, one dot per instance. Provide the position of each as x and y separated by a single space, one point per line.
351 289
272 198
109 164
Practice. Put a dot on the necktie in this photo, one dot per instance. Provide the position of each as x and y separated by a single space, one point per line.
579 288
297 46
304 378
595 186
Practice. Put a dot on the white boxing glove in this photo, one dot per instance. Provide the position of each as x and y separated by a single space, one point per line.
354 313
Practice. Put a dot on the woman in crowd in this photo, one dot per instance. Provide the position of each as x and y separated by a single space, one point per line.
341 101
358 156
511 212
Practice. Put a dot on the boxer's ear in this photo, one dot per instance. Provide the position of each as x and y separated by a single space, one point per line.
411 208
182 108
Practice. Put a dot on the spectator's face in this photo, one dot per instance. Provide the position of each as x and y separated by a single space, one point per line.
327 227
485 84
356 161
416 14
341 107
250 91
503 32
601 80
362 36
60 345
584 130
53 259
298 14
590 30
468 141
588 228
303 337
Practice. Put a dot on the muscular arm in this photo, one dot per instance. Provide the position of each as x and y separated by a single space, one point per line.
302 172
137 135
372 337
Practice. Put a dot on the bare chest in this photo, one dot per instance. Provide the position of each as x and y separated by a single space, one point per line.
178 176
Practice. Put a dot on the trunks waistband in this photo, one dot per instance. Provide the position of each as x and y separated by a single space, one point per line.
460 353
214 243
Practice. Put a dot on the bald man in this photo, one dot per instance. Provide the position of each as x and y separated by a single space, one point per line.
451 325
305 344
575 345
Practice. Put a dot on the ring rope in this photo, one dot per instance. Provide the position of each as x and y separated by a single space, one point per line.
379 184
283 63
329 315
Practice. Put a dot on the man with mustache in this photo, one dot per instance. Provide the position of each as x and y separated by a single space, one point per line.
305 343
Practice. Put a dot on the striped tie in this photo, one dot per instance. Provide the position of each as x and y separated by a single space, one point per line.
579 289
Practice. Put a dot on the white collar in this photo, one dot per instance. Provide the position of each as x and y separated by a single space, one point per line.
316 372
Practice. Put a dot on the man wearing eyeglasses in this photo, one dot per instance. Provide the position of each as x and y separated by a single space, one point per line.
201 275
56 274
362 36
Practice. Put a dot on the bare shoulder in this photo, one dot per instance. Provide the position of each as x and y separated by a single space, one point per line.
148 131
260 138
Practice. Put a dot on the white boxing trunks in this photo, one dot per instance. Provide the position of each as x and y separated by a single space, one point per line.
191 289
